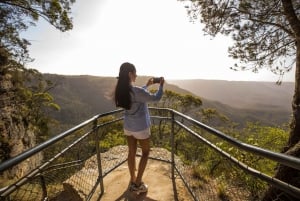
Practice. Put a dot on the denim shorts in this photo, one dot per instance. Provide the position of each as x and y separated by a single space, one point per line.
140 135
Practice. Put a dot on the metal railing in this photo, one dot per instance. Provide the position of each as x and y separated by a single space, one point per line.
73 164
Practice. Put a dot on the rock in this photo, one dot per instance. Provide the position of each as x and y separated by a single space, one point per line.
15 135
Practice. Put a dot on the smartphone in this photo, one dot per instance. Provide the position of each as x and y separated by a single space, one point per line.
156 80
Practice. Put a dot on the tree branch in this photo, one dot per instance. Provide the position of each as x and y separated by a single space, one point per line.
32 10
262 22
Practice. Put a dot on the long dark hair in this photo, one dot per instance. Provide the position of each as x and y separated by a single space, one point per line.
123 88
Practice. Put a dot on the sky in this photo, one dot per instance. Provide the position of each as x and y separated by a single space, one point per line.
156 36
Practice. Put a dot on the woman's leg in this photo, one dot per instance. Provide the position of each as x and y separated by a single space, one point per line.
145 145
132 146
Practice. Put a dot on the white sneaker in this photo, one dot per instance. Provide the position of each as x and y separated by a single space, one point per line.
142 188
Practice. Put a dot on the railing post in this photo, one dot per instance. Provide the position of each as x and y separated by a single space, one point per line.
173 156
100 176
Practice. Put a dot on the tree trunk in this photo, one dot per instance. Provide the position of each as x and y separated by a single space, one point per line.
287 174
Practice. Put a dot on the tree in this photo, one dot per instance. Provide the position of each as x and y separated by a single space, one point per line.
266 34
17 15
34 101
181 102
21 105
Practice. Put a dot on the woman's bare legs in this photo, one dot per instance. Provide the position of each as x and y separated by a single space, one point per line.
132 146
145 145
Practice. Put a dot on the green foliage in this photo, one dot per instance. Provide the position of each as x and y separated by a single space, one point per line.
111 139
273 138
34 101
179 102
200 172
111 135
270 138
161 133
212 117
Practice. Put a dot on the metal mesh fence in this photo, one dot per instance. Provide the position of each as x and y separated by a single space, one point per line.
204 176
211 167
66 170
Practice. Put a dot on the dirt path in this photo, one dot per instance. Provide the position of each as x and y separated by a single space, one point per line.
158 177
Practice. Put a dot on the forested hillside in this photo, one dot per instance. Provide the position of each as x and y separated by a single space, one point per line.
81 97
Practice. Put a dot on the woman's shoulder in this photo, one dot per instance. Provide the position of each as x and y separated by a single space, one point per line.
138 89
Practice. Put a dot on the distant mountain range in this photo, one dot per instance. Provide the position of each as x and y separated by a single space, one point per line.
242 94
81 97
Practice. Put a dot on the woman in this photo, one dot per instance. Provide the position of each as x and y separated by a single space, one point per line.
136 120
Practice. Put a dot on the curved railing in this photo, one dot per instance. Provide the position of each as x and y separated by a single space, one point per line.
53 166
